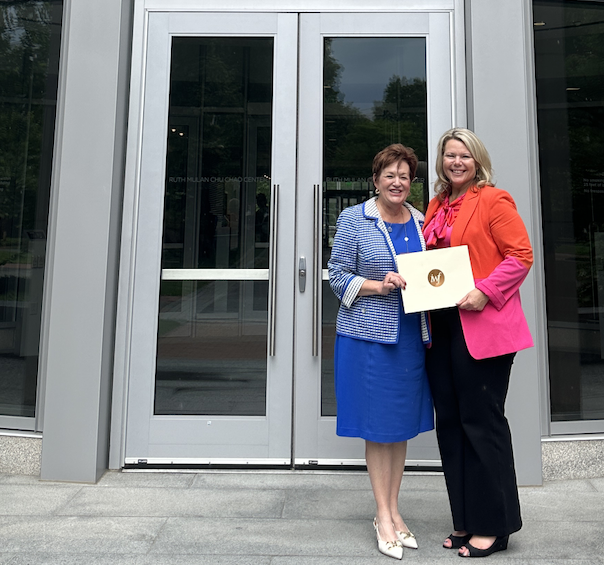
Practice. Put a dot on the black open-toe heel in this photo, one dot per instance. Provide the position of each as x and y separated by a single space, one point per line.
500 544
458 541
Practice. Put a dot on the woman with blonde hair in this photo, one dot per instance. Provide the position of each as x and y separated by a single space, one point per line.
474 344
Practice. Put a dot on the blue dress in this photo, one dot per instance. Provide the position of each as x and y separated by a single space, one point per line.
382 390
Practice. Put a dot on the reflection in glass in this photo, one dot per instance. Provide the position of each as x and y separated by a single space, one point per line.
30 35
212 334
211 356
219 149
569 56
330 311
374 95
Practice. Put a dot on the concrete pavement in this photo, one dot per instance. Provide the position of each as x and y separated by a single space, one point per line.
271 518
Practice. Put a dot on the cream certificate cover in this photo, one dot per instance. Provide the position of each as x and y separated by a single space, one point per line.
438 278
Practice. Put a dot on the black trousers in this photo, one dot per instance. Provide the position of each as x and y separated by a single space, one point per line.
473 432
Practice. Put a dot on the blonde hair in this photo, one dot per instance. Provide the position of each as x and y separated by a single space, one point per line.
484 172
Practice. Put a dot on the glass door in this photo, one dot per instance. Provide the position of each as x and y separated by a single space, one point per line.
211 362
366 81
257 129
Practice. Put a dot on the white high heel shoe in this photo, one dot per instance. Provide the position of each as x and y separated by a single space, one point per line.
389 548
407 539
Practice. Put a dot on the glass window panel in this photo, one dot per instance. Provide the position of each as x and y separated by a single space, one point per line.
212 334
30 36
569 61
211 348
330 311
219 149
374 95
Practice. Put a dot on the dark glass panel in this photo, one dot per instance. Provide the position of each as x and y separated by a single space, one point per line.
328 338
30 37
212 334
211 348
569 61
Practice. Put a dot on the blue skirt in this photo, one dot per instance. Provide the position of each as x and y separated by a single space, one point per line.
382 390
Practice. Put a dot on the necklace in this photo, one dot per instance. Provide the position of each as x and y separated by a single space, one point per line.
400 213
406 238
404 225
389 228
389 224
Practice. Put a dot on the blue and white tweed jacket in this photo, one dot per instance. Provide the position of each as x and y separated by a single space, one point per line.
362 250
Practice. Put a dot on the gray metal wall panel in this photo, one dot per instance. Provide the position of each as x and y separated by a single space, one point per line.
502 113
81 280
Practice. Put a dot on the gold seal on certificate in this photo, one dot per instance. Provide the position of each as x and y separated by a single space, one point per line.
436 279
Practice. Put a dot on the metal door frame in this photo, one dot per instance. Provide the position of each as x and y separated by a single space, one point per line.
260 439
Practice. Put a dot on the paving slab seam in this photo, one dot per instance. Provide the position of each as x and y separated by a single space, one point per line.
57 511
155 537
283 506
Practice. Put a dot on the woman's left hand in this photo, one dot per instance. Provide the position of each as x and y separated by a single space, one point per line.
475 300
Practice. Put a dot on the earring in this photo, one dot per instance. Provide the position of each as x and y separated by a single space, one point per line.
377 190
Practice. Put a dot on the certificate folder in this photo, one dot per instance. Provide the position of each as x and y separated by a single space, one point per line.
438 278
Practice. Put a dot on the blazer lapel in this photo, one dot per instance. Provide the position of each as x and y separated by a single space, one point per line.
468 207
371 210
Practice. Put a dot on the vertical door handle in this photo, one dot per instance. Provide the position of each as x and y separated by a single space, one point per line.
317 269
302 273
272 272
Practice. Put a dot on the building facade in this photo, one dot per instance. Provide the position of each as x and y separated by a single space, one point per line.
170 177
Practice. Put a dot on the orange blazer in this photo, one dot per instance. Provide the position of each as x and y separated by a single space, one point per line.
501 256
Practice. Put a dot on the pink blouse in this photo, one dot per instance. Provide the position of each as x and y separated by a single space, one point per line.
438 231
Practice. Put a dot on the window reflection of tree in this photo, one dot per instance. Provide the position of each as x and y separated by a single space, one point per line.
29 49
352 138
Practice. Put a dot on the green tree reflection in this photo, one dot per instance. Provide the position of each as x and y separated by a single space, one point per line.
25 35
352 138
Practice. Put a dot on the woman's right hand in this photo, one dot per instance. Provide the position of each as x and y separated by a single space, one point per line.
391 282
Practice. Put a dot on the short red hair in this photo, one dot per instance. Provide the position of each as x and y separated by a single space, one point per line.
395 153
